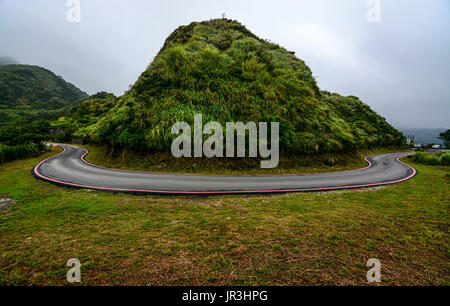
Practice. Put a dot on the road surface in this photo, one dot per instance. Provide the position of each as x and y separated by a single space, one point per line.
69 168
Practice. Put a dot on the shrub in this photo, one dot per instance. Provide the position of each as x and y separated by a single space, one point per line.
445 159
432 159
10 153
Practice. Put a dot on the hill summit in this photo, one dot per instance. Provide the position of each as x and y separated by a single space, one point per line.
221 70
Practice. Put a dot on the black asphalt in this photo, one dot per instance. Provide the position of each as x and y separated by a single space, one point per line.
70 169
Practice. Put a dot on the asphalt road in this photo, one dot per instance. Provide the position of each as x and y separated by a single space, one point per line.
70 169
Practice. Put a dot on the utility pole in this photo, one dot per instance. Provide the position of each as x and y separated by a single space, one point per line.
223 15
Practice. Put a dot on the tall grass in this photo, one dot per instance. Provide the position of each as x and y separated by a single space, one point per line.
432 159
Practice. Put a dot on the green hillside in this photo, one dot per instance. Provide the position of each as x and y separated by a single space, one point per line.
32 93
220 69
85 114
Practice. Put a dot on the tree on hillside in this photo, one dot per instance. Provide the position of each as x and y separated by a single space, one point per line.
445 136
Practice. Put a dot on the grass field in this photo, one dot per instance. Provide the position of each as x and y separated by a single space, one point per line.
320 238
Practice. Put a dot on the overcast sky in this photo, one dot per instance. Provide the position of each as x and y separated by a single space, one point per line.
400 66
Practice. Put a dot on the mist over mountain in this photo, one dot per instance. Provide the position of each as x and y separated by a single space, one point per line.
6 60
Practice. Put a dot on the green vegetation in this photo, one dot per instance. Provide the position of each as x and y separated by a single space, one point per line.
321 238
86 113
432 159
445 136
10 153
22 139
22 132
220 69
33 93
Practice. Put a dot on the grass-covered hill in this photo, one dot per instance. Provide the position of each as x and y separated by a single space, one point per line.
32 93
220 69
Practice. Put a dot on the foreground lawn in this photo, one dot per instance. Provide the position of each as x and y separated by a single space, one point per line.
321 238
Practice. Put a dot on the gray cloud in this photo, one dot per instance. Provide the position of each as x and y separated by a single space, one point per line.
400 66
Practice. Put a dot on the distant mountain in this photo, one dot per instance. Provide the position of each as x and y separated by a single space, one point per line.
423 136
6 60
31 93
